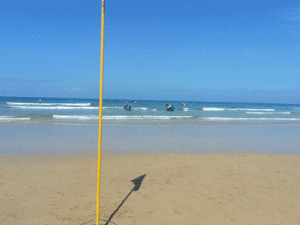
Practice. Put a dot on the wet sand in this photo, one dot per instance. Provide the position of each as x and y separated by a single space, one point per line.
20 139
177 189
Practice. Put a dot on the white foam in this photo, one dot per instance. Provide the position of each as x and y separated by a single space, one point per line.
21 103
233 109
53 107
167 117
230 119
213 109
49 104
140 108
110 107
9 119
118 107
72 104
144 117
121 117
185 109
75 117
268 112
256 109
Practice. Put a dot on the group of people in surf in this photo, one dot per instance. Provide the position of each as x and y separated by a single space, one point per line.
168 107
127 107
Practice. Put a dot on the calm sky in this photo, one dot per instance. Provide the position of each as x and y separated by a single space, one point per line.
197 50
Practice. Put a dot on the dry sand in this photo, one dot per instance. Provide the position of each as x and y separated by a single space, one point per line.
178 189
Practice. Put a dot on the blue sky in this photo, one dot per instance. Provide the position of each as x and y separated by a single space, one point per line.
197 50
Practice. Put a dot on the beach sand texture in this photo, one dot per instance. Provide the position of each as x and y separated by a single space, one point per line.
178 189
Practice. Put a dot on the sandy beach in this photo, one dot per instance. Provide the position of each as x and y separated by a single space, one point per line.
196 105
177 189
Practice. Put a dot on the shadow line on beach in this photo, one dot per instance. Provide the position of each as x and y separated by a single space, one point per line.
94 223
87 222
137 184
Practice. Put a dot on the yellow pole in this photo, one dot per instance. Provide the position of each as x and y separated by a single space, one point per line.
100 113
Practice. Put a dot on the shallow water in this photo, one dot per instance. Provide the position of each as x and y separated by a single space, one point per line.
65 139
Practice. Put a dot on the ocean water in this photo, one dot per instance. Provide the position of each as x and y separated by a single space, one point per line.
85 111
71 126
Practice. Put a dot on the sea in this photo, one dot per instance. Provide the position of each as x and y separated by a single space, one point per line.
67 126
86 111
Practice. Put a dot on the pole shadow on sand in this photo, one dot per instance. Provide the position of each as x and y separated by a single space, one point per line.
137 184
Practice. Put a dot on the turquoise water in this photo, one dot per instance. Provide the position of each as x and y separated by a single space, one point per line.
85 111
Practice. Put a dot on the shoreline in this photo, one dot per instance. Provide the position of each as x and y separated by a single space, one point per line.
177 189
148 123
67 139
158 122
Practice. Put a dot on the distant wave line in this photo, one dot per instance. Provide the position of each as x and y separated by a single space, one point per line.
119 117
213 109
140 108
228 119
112 107
54 104
118 107
242 109
9 119
75 117
255 109
71 107
54 107
270 113
122 117
145 117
